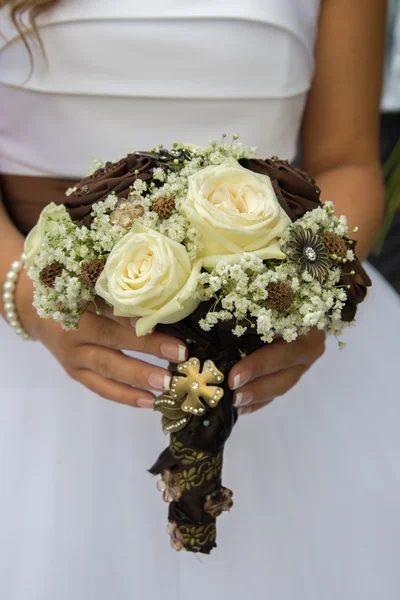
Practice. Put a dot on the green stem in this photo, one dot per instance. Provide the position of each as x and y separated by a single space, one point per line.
391 174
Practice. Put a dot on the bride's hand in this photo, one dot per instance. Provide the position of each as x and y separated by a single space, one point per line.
273 370
92 355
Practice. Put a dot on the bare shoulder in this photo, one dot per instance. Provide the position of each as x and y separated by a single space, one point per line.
342 114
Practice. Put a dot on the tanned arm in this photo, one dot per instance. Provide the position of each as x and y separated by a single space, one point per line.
341 122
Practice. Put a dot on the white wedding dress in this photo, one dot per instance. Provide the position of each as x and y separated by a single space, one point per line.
316 475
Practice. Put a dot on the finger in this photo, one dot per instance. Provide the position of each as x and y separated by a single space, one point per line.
113 364
104 332
276 357
252 408
101 308
265 389
111 390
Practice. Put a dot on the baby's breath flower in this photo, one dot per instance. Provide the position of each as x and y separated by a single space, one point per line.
96 164
140 186
70 190
159 174
289 334
239 330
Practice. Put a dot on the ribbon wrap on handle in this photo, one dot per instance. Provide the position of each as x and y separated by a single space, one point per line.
191 467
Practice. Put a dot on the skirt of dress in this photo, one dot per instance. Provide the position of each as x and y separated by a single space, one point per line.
316 480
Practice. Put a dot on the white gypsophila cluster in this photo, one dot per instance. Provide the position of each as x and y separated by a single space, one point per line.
96 164
240 292
159 174
68 245
322 220
218 150
71 190
104 234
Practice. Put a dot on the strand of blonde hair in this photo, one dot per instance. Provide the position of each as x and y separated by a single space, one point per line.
32 8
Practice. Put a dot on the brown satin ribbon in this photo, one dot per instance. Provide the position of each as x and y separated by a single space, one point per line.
25 197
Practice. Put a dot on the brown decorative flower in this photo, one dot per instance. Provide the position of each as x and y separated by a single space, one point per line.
356 282
280 295
295 190
335 245
176 537
113 177
307 250
218 502
164 207
48 275
169 485
91 271
126 211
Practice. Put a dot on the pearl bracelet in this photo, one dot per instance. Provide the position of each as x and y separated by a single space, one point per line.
9 297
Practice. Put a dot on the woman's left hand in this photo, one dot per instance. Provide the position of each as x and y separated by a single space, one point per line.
273 370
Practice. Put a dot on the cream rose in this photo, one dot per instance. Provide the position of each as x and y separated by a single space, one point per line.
148 275
47 222
234 210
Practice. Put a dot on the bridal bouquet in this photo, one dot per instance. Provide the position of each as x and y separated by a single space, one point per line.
218 248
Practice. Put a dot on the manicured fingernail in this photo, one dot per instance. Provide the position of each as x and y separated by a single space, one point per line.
145 402
175 352
159 381
243 398
241 379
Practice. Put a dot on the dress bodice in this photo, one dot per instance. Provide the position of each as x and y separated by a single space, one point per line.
128 74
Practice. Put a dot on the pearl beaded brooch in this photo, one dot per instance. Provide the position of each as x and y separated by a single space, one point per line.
9 297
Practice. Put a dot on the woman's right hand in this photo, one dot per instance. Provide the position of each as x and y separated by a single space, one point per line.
93 354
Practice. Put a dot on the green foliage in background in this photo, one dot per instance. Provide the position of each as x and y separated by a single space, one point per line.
391 175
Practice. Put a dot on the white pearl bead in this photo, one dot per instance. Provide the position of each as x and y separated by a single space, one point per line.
12 276
9 286
23 257
16 266
8 297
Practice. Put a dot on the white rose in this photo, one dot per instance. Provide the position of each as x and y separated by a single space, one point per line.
47 222
234 210
148 275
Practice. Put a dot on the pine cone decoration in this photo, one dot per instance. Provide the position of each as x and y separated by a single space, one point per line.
164 207
48 275
335 244
91 271
280 295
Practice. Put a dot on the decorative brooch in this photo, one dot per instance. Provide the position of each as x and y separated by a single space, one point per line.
192 393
